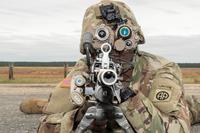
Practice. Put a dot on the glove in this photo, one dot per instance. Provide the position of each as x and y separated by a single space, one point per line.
126 93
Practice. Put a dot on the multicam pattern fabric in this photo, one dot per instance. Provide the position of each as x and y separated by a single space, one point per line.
194 106
59 99
90 21
150 110
158 107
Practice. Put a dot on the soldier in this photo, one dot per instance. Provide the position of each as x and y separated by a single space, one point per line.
158 104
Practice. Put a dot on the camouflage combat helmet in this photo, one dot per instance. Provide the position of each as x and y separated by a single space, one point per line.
95 20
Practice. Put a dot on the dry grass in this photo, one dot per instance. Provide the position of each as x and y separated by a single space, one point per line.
33 75
191 75
56 74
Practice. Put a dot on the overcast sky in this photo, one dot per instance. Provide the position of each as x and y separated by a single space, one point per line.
49 30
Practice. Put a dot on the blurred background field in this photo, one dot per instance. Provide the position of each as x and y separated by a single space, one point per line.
30 75
191 75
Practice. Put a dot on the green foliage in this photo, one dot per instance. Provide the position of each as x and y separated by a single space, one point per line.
189 65
37 64
72 63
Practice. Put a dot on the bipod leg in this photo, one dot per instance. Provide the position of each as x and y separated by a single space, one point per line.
87 120
122 121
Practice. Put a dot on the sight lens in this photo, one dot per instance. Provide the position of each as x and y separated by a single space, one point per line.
102 33
124 32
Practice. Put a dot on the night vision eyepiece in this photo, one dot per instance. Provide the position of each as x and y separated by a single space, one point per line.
124 32
102 33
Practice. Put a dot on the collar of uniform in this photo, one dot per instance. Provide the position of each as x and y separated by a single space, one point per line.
140 64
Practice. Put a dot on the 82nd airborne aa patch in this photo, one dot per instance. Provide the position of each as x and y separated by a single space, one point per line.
163 95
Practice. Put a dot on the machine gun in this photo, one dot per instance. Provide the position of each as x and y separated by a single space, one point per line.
104 74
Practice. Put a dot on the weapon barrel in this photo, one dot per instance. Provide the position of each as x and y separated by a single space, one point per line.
108 77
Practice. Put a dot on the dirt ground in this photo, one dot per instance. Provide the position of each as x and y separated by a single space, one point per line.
13 121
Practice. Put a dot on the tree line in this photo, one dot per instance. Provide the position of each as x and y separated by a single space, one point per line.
72 63
38 64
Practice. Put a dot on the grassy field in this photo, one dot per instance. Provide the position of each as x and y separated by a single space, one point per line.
191 75
55 74
33 75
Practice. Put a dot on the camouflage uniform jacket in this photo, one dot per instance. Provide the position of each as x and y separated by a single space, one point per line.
158 107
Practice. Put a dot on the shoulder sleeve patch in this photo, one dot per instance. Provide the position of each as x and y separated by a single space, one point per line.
162 95
66 83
